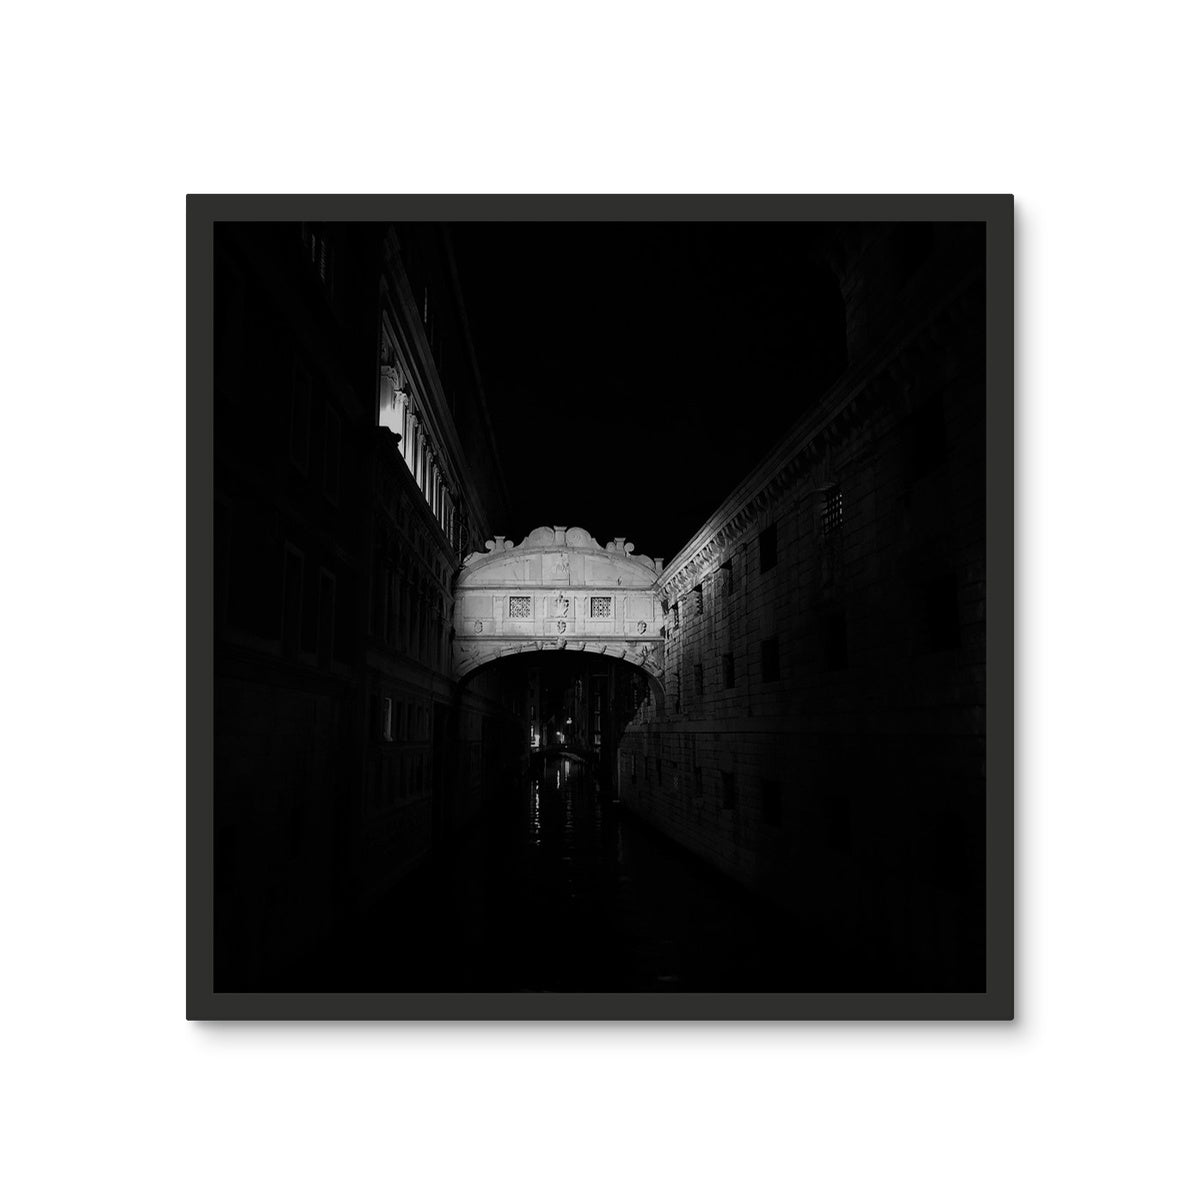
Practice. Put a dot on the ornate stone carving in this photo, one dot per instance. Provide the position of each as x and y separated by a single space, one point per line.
556 572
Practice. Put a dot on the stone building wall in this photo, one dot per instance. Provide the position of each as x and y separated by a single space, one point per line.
333 567
822 739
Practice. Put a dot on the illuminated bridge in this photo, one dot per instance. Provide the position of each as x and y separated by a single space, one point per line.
558 590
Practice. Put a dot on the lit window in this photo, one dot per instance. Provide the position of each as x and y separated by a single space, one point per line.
520 607
601 606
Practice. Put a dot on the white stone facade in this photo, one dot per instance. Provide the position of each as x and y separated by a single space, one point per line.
558 589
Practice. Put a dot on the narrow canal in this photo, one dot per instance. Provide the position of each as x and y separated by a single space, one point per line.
560 890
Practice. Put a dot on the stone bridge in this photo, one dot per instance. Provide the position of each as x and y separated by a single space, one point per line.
558 590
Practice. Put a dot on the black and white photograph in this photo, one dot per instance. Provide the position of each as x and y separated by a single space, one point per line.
600 606
600 601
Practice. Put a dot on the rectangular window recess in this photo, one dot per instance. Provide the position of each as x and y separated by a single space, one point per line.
833 513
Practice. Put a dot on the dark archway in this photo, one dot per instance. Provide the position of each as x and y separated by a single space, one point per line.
577 702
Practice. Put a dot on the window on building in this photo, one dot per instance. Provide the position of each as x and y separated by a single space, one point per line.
727 574
728 790
388 730
520 607
300 418
393 403
698 781
770 660
601 606
772 803
333 454
379 599
698 592
326 599
727 669
767 548
832 513
698 678
293 598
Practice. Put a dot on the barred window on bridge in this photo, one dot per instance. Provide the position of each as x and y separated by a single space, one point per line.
520 606
601 606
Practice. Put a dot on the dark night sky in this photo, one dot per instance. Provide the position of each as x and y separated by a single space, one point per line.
635 372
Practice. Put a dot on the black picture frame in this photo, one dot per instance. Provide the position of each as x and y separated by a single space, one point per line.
996 1003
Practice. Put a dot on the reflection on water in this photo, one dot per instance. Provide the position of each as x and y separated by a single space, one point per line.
535 813
559 890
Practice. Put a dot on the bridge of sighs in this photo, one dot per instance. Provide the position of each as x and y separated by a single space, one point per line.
559 589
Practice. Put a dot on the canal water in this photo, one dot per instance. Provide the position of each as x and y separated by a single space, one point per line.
560 890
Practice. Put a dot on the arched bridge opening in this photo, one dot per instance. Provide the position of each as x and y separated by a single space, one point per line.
576 705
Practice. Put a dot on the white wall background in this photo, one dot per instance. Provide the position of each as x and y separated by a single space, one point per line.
113 112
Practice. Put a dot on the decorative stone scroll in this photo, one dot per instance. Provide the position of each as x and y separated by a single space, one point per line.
557 589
